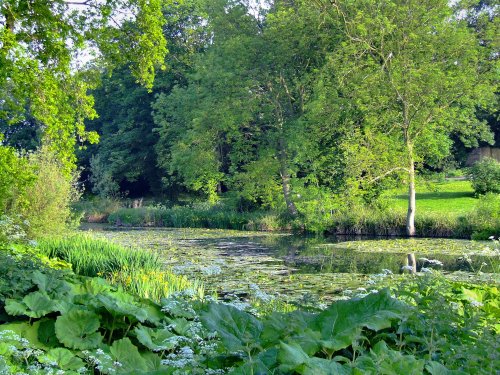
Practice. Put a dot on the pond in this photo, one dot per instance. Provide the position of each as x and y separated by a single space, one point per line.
298 268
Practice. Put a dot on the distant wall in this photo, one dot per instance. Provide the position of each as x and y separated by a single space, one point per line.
483 152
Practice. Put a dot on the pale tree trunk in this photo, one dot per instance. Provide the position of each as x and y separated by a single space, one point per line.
410 216
285 179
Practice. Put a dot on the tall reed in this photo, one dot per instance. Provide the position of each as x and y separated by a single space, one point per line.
138 271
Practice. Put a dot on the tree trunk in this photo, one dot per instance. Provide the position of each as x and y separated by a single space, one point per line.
285 179
410 216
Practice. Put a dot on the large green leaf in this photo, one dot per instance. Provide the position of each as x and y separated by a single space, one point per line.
64 358
77 329
343 321
292 326
382 360
27 331
436 368
293 359
237 329
122 304
128 355
47 333
154 339
34 305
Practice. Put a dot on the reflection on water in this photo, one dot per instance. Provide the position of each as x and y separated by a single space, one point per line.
293 266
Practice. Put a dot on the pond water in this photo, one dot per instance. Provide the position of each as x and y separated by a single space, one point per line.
298 268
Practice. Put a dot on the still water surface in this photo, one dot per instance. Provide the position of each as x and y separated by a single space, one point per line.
295 267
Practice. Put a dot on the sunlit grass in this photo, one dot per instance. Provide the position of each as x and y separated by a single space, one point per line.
451 197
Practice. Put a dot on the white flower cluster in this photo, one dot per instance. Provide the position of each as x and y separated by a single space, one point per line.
182 359
35 360
101 361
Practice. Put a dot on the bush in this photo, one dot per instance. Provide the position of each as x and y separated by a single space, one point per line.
46 203
96 209
16 175
485 176
484 221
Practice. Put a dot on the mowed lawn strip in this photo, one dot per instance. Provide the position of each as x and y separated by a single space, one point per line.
450 196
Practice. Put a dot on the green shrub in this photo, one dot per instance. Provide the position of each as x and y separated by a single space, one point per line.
46 203
484 220
16 175
485 176
96 209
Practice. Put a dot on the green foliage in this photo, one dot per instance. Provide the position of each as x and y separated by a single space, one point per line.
16 175
434 326
93 257
38 74
77 329
136 270
485 218
195 216
46 204
88 326
485 176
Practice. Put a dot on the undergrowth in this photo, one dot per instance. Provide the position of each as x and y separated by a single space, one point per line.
53 321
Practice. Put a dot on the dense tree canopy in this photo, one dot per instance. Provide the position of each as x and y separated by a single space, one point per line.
41 43
295 106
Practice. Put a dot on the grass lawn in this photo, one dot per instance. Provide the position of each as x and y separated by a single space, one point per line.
451 196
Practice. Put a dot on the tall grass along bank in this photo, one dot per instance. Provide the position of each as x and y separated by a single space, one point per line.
136 270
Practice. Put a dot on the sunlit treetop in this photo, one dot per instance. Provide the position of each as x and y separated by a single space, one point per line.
50 52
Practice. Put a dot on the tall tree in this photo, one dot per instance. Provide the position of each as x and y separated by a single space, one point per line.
40 43
414 70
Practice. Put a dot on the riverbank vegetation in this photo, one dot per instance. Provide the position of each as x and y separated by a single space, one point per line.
54 320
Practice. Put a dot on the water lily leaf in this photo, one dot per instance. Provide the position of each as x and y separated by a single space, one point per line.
128 355
77 329
237 329
154 339
343 321
64 358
